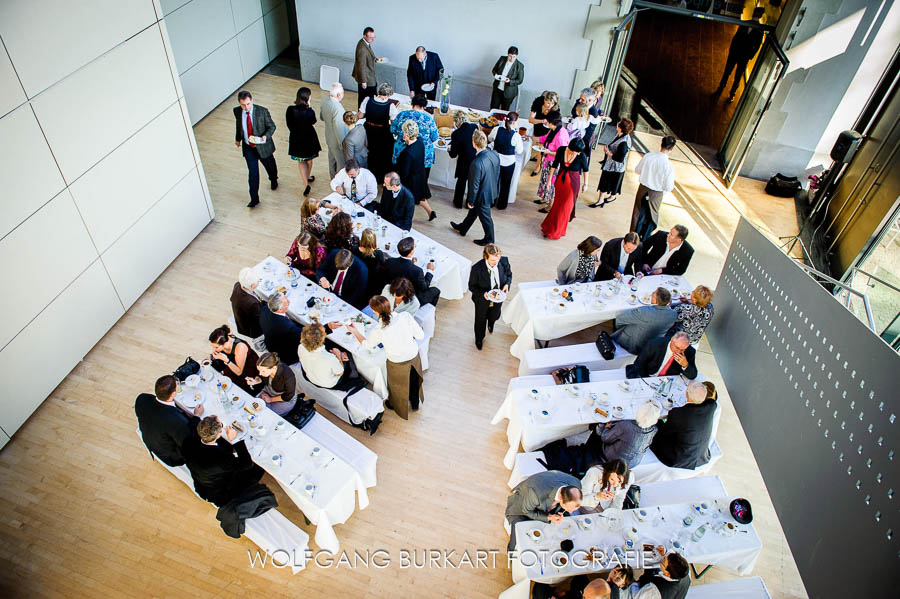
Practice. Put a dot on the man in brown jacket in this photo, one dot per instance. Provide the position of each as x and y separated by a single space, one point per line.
364 66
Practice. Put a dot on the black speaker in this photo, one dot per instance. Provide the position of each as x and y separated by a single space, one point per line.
845 146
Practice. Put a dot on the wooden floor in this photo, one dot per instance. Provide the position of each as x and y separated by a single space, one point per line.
86 513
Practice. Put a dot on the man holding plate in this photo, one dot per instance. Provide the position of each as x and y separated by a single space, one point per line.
489 282
423 73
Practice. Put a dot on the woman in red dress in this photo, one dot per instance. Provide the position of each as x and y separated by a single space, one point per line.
569 164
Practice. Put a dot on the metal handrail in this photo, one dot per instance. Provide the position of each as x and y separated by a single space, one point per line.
871 276
845 287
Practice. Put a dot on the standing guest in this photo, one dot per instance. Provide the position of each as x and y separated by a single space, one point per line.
427 132
303 142
462 149
355 144
542 497
580 264
305 254
280 390
245 304
557 137
544 108
332 115
373 259
252 120
411 167
282 335
164 427
577 126
672 580
668 253
379 111
423 72
620 256
339 233
405 266
634 328
566 171
683 438
665 357
310 220
508 74
484 183
397 202
605 486
233 357
486 275
398 333
221 471
694 314
364 66
657 177
596 118
328 369
508 145
613 172
355 183
744 46
625 440
346 276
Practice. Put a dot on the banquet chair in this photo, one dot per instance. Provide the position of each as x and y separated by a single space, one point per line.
363 405
327 76
425 318
545 360
258 344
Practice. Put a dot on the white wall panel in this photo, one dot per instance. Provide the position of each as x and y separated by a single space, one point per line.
253 48
4 439
170 56
212 80
146 249
42 255
88 114
29 175
13 95
49 39
121 187
245 12
197 29
278 33
36 361
169 6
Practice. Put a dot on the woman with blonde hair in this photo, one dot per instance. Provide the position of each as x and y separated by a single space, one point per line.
355 143
310 219
694 314
306 254
544 109
373 258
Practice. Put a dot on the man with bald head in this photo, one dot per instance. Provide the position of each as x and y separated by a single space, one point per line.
423 72
597 589
682 440
576 587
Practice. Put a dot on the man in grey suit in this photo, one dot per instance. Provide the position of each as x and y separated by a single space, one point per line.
254 120
484 188
545 497
332 116
635 328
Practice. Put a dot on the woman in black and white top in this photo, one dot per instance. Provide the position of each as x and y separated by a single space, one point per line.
694 315
508 145
580 265
610 185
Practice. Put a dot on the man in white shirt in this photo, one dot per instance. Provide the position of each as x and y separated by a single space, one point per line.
672 580
356 183
657 177
667 253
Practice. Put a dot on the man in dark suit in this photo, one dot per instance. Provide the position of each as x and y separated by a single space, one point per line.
620 256
403 267
221 471
682 440
164 427
364 66
484 188
282 335
545 497
668 253
255 121
397 203
665 357
245 304
672 579
423 73
493 272
508 74
462 149
637 326
346 276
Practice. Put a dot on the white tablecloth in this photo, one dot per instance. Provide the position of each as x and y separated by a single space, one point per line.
535 312
451 270
336 481
751 587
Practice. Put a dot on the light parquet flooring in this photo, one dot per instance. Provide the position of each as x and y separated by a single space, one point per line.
86 513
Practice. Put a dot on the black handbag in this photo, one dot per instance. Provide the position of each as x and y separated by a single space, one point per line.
605 346
782 186
572 375
632 498
189 367
302 413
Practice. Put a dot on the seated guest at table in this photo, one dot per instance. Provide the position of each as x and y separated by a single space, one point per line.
491 273
557 137
620 256
397 202
328 369
339 234
411 167
634 328
245 304
665 356
544 497
566 173
597 589
282 335
683 437
462 149
508 145
402 295
423 72
346 276
280 384
233 358
626 440
164 426
580 265
405 266
355 143
379 111
604 486
668 253
427 133
613 172
356 183
310 220
373 259
305 254
694 314
671 581
221 471
622 577
568 588
397 332
508 74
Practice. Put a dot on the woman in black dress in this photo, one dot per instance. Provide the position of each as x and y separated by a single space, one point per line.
613 172
233 358
411 163
379 112
303 143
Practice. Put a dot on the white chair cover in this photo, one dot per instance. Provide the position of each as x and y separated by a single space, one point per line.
363 404
258 344
327 76
548 359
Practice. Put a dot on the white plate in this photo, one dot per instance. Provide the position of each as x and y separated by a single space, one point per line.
497 295
255 139
190 401
192 381
428 87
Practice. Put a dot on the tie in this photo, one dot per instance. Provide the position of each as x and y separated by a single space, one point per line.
353 189
668 365
337 284
249 130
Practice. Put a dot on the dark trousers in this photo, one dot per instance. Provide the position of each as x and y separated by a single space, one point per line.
506 175
429 296
483 214
645 225
485 314
740 66
499 101
459 193
427 195
362 94
253 159
513 520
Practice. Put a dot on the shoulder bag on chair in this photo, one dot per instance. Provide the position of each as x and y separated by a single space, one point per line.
189 367
571 375
303 411
605 346
632 498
